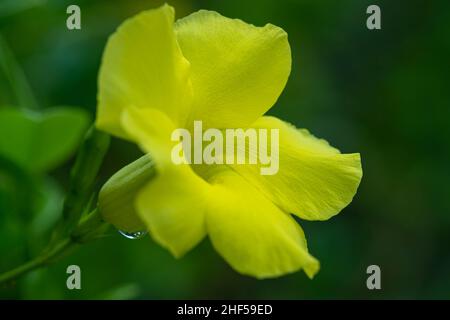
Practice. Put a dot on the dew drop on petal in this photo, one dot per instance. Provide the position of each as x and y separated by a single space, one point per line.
133 235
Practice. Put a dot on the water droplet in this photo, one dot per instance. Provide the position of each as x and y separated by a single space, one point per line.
133 235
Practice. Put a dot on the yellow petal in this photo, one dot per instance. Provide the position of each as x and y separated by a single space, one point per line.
238 70
315 181
172 205
143 66
151 129
253 235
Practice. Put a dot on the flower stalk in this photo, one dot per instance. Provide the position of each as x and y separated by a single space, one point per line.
37 262
82 180
91 228
75 227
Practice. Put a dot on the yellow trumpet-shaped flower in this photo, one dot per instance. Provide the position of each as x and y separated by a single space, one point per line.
158 75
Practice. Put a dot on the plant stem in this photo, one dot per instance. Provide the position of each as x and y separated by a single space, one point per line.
82 180
39 261
91 228
75 227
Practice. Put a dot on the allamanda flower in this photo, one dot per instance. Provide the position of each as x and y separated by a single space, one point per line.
156 76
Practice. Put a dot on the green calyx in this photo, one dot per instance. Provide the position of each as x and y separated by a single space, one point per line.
116 198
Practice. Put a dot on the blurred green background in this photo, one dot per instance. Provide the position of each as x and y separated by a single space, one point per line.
383 93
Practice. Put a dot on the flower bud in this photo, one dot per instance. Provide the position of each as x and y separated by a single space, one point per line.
117 196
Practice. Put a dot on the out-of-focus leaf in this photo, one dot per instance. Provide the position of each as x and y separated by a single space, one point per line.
12 229
124 292
40 141
9 7
47 205
15 76
42 284
15 203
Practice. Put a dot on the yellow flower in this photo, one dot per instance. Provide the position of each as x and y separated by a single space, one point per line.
158 75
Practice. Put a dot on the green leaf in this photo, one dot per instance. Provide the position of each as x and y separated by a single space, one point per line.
126 291
15 76
10 7
48 203
82 181
38 142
